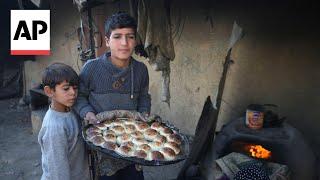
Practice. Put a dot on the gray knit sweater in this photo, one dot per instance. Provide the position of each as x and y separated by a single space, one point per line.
62 148
105 87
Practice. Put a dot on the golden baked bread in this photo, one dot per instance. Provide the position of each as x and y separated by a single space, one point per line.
141 126
137 134
150 134
129 143
109 131
154 155
166 131
174 146
110 138
139 141
155 145
140 154
157 126
132 138
144 147
118 122
108 123
174 138
98 140
130 121
93 129
160 138
109 145
168 153
91 135
123 138
125 151
129 128
118 129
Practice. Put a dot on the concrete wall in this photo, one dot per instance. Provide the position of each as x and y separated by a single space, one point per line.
196 70
64 23
275 62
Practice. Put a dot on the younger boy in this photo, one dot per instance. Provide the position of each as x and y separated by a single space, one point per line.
63 152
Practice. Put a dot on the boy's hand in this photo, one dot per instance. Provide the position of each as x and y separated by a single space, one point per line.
91 118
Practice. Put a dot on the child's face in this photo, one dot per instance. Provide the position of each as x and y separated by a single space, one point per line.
64 95
121 43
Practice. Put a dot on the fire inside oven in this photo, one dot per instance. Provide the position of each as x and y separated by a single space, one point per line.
254 150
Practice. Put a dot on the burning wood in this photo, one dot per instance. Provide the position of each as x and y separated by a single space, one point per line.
258 151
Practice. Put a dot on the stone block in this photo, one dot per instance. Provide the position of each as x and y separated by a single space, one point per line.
37 118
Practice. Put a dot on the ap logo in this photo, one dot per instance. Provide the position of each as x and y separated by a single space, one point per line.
30 32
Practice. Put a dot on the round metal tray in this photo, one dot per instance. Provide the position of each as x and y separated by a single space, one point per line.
181 156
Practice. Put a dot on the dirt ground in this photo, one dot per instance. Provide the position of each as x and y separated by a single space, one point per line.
19 150
20 155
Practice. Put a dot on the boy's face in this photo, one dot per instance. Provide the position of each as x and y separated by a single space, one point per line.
121 43
64 95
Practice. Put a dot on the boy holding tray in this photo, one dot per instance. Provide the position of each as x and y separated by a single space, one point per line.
115 81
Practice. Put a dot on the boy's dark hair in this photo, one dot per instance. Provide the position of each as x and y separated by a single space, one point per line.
56 73
119 20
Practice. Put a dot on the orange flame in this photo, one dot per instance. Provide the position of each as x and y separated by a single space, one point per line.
258 151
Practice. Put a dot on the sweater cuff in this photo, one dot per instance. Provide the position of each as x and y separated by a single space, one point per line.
85 110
